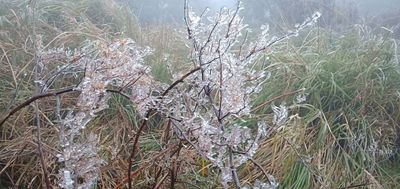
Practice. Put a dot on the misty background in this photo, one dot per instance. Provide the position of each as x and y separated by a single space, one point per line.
280 15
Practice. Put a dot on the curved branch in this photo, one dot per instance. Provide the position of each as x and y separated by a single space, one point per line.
49 94
180 80
33 99
133 152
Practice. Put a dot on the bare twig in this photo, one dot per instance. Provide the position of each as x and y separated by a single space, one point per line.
180 80
49 94
161 181
160 169
261 168
233 169
356 186
233 18
175 167
33 99
37 59
133 152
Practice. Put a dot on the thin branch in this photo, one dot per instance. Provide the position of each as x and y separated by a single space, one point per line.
233 18
188 140
220 84
185 18
261 168
37 59
133 152
208 38
233 169
180 80
255 50
49 94
356 186
161 181
59 119
174 168
156 177
118 92
144 166
33 99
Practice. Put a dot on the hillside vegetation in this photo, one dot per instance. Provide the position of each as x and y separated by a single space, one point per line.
339 91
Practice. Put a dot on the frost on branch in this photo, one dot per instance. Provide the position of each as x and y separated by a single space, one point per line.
205 108
214 40
119 64
81 162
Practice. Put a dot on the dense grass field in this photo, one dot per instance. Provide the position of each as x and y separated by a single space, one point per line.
341 90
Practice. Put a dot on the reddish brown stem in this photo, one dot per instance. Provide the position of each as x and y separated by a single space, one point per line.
49 94
34 98
135 142
180 80
144 166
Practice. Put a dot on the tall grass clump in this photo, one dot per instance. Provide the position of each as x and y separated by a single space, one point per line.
347 128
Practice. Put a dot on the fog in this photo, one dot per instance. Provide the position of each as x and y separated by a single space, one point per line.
279 14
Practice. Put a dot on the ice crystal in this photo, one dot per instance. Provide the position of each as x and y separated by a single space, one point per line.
302 97
272 184
119 64
67 179
280 114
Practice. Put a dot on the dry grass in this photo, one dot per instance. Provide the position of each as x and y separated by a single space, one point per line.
348 127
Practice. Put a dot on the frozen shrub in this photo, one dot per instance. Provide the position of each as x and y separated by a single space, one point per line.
205 105
205 109
119 64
